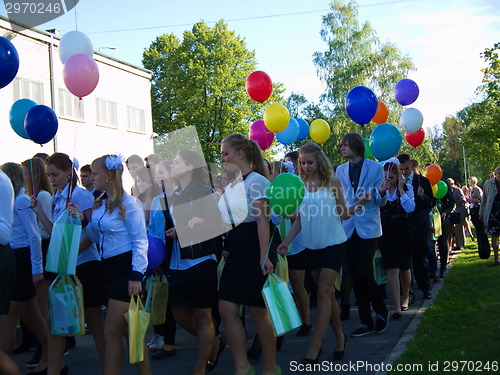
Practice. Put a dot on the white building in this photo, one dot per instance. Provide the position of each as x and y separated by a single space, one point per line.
116 117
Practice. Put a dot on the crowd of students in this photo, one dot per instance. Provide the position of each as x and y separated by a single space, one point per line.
347 215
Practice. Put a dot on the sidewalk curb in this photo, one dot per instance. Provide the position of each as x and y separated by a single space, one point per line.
411 330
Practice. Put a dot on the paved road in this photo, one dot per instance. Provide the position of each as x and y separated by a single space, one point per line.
371 350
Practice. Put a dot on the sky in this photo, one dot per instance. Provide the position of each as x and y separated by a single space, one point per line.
443 37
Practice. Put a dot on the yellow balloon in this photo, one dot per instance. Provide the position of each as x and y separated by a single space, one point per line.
434 189
319 131
276 117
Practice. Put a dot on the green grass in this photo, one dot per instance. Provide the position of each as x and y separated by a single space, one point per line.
463 323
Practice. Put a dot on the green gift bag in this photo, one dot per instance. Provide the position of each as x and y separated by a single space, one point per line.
220 268
280 305
156 302
64 244
282 268
436 218
138 320
66 306
378 269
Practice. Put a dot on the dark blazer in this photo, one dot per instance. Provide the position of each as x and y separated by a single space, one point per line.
419 218
447 203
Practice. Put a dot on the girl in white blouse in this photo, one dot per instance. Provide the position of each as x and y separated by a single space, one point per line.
118 225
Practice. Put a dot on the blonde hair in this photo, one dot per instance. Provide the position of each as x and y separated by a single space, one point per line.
324 167
118 192
251 151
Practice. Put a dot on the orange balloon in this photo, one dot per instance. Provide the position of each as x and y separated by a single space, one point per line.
434 173
382 113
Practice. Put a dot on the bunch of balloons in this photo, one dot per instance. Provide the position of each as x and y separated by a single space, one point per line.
434 173
80 73
406 92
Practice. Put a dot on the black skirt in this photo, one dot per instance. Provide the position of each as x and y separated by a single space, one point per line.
195 287
116 272
7 277
329 257
91 277
395 244
242 278
24 289
297 261
50 276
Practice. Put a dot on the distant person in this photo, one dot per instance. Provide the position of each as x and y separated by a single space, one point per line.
490 210
87 181
151 161
134 163
475 198
461 211
445 205
293 156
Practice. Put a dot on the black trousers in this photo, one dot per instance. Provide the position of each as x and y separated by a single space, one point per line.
482 237
360 254
420 263
443 245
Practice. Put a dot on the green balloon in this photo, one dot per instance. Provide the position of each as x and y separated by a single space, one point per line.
442 189
368 150
286 193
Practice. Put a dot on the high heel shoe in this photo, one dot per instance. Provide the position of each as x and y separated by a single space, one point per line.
309 361
339 354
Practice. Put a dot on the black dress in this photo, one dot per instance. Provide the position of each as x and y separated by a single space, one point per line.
395 243
494 218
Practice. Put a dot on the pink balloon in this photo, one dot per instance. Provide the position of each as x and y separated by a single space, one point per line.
260 134
81 74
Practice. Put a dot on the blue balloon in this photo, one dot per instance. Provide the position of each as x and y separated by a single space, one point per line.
156 251
17 114
385 141
290 133
9 62
41 124
361 104
303 129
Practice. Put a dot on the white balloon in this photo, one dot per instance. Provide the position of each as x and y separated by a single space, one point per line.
74 42
411 120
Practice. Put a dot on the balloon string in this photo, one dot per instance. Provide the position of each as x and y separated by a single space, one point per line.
76 16
32 178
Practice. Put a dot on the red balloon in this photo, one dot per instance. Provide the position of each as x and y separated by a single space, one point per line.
259 86
415 139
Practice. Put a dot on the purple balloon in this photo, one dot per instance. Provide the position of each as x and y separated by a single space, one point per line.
406 91
156 251
261 135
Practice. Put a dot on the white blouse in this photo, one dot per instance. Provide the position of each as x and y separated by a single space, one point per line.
117 234
6 208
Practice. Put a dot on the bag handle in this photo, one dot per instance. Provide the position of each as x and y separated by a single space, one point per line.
229 210
268 248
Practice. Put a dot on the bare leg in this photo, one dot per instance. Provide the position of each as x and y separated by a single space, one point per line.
205 338
8 326
494 245
93 317
7 365
301 297
38 326
235 335
405 280
264 326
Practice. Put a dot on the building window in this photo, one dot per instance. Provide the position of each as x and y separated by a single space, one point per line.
106 113
70 106
136 120
27 89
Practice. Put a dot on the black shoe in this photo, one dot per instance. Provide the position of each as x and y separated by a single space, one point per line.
404 308
213 364
345 312
396 315
23 348
361 331
381 322
339 354
163 353
305 330
427 295
309 361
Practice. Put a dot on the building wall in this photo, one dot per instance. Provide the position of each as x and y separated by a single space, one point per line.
119 83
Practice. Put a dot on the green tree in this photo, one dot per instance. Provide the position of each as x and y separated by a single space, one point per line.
355 56
200 81
482 131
